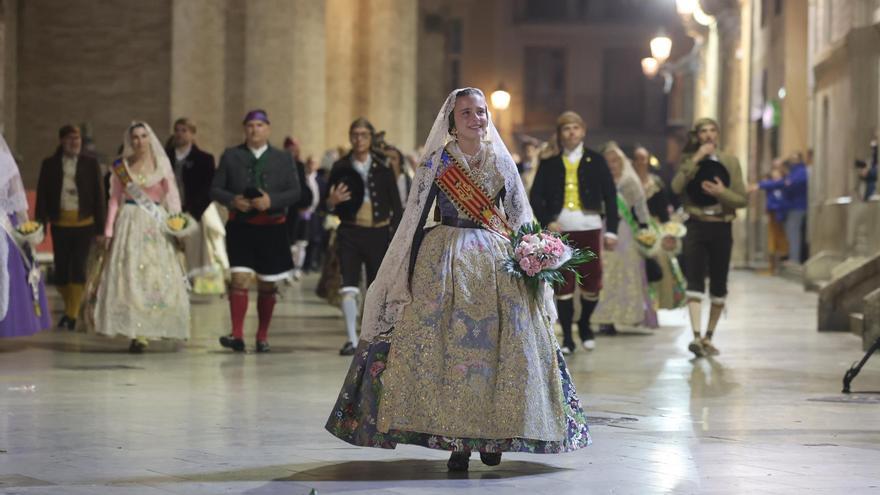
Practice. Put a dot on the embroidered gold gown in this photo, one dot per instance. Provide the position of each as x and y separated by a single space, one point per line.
472 364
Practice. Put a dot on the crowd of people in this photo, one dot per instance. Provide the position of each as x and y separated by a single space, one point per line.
262 215
388 229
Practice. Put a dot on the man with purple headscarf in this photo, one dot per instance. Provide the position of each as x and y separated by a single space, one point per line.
257 182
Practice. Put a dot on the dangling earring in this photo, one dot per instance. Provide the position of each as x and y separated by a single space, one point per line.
455 134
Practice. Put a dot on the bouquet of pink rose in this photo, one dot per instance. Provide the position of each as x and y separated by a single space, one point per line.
543 256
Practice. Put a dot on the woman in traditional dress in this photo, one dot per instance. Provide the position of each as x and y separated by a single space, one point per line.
667 292
142 293
23 309
455 353
624 299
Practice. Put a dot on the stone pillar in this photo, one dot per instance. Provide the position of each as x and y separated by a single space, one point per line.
342 62
371 68
197 70
284 62
391 72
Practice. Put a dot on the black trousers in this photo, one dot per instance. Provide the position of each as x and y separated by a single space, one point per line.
358 246
70 246
707 249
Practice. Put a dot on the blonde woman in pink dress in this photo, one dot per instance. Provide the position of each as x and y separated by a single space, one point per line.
142 293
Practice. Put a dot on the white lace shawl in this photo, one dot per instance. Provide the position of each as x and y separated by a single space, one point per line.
389 294
13 200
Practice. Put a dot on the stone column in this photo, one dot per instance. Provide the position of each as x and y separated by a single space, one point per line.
197 70
342 62
284 68
371 68
391 72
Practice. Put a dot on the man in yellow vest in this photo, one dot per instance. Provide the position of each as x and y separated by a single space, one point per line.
574 193
70 196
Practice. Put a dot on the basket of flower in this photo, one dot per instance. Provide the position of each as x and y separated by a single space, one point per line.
673 229
647 240
30 232
541 256
180 225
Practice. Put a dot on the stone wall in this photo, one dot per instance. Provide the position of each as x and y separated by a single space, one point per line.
197 69
314 66
99 63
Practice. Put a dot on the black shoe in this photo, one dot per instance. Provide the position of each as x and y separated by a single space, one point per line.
62 323
229 342
458 461
71 324
490 459
608 329
347 350
136 347
263 346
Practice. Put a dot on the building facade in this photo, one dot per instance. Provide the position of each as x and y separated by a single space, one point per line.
314 66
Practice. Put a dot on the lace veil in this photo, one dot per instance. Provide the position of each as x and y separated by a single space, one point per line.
12 194
160 159
13 200
389 294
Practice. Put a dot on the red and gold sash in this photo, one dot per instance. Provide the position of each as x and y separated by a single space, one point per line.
471 199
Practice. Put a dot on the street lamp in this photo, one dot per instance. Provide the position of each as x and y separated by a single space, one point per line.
650 67
500 98
686 7
661 47
500 101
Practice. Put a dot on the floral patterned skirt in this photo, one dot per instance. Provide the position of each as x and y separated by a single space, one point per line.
471 365
624 299
354 416
142 290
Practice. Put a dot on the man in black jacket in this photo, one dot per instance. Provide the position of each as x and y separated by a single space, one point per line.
257 182
572 193
70 196
194 170
363 193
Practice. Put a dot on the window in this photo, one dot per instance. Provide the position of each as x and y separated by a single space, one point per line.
623 88
453 53
545 91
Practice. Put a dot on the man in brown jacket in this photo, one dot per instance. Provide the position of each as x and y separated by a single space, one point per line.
70 197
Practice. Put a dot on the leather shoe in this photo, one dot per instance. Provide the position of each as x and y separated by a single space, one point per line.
136 347
347 350
229 342
458 461
263 346
490 459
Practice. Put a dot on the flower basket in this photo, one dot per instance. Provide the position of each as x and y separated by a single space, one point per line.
30 232
180 225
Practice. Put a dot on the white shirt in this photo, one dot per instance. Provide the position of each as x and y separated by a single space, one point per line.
69 193
312 183
576 154
181 153
363 168
258 152
571 220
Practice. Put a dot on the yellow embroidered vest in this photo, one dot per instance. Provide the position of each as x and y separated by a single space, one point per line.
572 195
